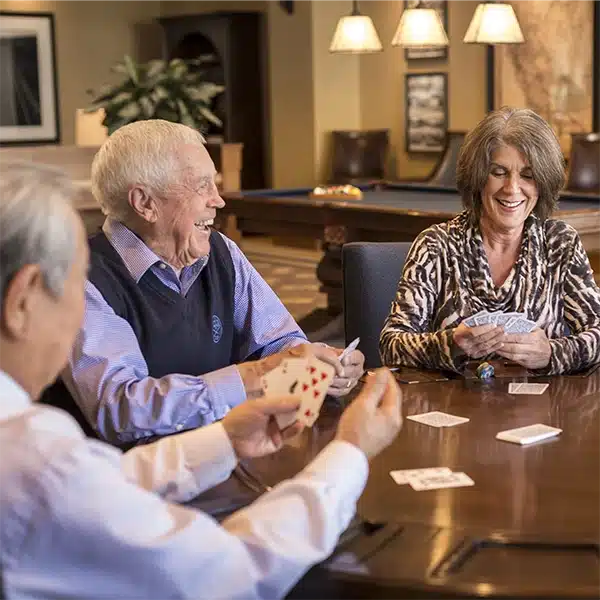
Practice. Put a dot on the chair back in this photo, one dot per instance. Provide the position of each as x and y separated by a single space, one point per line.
359 155
444 173
584 163
371 271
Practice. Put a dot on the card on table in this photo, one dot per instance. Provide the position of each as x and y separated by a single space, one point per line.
438 419
527 388
528 434
401 477
435 482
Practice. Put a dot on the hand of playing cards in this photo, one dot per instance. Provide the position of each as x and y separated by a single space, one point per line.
305 377
513 322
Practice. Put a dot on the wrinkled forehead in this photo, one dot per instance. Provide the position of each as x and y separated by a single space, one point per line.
193 162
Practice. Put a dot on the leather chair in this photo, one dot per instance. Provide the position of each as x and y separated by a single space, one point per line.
359 156
444 172
584 163
371 271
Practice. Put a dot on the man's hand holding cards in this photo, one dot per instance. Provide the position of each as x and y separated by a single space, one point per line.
307 378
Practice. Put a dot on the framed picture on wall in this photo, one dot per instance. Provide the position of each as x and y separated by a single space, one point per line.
564 38
28 94
434 52
426 120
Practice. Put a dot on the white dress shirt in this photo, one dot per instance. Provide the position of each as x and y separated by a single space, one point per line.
79 519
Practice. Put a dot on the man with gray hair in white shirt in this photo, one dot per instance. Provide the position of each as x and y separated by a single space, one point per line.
79 518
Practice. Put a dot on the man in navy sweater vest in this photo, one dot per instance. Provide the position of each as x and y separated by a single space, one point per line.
177 321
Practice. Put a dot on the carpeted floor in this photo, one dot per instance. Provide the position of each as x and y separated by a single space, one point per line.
290 272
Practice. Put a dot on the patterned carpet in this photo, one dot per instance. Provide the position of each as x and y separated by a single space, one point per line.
290 272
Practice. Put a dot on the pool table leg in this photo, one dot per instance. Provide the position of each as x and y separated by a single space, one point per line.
329 270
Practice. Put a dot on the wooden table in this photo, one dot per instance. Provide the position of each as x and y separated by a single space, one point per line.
530 527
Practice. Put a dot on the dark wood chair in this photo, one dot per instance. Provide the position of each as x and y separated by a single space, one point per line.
359 156
584 163
444 173
371 272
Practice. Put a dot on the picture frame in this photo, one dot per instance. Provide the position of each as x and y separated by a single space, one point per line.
29 92
426 114
434 52
568 95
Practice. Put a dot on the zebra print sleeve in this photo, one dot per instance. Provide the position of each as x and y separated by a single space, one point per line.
407 337
581 300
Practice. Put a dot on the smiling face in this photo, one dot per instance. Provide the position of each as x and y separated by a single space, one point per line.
510 193
184 215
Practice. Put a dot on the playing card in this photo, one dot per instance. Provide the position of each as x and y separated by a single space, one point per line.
312 388
527 388
435 482
528 434
283 381
482 319
471 321
519 325
438 419
494 316
351 347
401 477
503 318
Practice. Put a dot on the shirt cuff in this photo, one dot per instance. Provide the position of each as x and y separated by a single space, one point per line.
208 454
225 389
343 466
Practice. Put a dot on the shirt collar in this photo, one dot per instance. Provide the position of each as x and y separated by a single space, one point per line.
136 256
13 398
134 253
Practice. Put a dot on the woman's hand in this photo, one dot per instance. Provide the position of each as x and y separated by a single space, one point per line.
531 350
479 341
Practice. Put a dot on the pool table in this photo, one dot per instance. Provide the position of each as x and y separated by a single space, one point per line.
388 211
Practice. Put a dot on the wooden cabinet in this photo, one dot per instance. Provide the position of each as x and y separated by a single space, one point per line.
238 43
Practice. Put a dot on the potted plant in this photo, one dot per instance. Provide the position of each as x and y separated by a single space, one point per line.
174 90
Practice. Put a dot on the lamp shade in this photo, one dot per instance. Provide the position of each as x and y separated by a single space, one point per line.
420 27
494 23
355 34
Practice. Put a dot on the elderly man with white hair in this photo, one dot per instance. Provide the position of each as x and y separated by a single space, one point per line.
176 317
80 519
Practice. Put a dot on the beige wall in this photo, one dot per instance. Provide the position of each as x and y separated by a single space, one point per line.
291 95
172 8
336 84
90 38
382 82
311 92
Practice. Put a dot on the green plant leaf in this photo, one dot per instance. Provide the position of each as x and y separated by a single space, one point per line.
176 90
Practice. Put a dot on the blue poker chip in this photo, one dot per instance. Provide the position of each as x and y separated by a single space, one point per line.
485 371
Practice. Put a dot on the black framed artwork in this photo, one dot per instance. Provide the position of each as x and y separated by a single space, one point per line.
441 6
426 120
565 39
28 94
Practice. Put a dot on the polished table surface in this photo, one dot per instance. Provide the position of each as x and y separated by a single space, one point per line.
529 527
387 212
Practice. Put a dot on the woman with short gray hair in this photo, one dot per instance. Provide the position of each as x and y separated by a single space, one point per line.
502 278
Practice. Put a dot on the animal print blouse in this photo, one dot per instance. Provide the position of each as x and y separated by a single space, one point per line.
446 278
